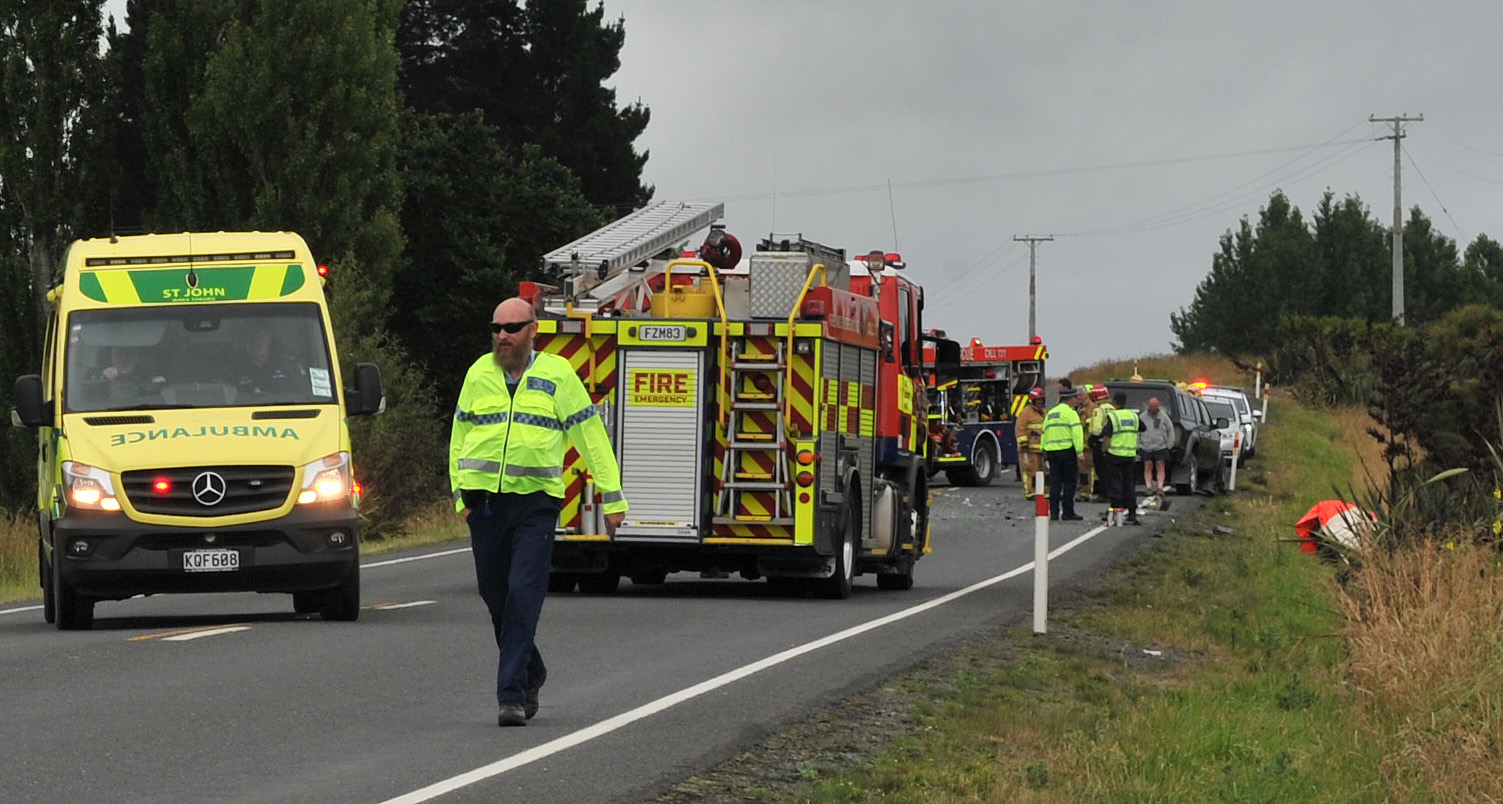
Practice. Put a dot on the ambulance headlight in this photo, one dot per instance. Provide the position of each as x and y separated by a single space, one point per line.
326 479
88 488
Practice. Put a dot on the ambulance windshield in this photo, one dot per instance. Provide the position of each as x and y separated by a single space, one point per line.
197 356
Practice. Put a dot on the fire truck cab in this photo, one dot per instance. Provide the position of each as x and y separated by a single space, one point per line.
971 412
766 412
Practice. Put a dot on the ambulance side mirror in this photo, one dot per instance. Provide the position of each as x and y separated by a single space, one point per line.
367 397
31 408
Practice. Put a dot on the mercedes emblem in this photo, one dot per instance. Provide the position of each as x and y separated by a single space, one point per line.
209 488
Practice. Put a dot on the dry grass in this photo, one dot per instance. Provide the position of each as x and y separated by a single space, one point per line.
18 556
1214 369
1423 629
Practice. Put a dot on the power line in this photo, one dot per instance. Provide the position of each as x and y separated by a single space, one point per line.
1460 236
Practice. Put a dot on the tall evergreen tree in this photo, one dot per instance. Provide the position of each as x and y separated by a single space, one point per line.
537 73
1354 255
50 89
1432 272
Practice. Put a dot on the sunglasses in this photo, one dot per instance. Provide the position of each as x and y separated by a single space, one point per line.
513 326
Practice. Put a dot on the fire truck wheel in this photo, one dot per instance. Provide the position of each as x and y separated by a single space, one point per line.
900 581
984 465
652 577
838 585
599 583
562 582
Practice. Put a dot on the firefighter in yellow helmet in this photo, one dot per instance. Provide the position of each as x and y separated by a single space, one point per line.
1028 428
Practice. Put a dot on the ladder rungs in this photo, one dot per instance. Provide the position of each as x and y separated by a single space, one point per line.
758 520
739 404
754 475
756 446
755 486
769 366
759 437
748 396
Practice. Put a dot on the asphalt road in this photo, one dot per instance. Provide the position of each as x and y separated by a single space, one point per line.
232 698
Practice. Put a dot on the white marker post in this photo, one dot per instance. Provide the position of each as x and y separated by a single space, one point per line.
1040 555
1231 484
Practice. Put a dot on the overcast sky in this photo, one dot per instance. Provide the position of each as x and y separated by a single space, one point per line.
1136 133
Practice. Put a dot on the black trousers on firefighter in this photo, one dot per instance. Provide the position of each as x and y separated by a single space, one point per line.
1106 474
1124 488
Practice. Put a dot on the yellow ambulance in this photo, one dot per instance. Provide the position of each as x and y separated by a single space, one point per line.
192 426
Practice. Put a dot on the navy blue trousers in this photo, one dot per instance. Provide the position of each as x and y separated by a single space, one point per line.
1064 472
511 538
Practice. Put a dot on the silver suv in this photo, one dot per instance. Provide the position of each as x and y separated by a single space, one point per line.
1248 416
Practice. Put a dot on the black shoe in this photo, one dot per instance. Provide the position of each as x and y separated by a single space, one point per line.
1053 519
1071 517
530 706
1133 521
511 714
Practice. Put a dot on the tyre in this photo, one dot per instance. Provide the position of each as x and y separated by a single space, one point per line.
44 571
961 476
652 577
1193 485
342 603
72 611
306 602
599 583
900 581
984 465
838 585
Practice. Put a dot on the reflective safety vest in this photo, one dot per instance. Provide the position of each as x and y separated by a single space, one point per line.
1098 417
516 444
1124 441
1062 429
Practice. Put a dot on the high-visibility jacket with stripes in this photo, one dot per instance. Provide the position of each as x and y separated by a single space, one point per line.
1062 429
516 444
1123 440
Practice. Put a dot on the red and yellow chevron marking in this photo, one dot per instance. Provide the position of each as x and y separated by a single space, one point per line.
850 407
1019 401
594 359
729 532
800 402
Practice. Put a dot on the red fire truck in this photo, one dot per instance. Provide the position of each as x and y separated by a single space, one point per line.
971 414
762 409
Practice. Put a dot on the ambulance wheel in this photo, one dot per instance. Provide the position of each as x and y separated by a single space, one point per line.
72 611
49 612
342 603
900 581
599 583
562 582
838 585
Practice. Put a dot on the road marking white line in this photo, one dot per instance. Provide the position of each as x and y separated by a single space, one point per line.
391 561
646 710
18 611
201 634
390 606
185 634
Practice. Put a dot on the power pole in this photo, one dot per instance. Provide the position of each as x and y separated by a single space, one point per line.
1398 211
1033 244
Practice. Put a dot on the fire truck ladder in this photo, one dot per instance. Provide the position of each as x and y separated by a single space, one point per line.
597 264
756 387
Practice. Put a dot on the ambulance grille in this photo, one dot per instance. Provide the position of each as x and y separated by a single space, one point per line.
171 491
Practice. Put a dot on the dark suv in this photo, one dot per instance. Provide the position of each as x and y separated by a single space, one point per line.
1195 459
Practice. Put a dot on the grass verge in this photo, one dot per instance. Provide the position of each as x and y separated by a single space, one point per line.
1220 664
